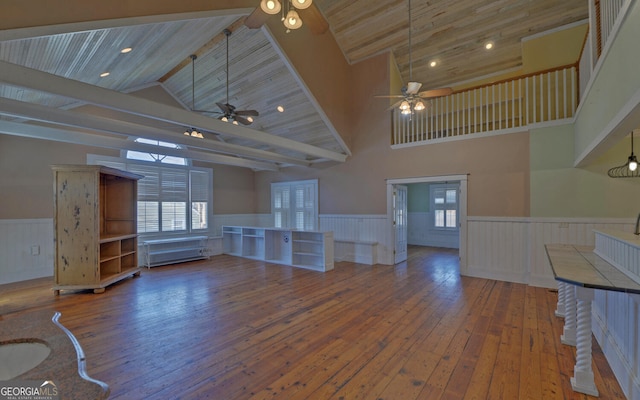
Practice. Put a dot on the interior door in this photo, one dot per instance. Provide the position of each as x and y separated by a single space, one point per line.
400 222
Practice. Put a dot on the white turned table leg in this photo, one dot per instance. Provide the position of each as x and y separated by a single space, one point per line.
583 380
569 332
562 292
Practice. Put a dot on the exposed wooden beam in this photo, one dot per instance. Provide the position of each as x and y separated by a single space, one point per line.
113 126
30 78
59 135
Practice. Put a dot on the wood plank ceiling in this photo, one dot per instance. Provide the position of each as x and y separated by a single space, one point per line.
451 32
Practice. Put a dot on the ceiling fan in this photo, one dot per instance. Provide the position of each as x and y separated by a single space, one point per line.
305 10
228 112
411 99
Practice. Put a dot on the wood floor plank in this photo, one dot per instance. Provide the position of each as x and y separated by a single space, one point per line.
234 328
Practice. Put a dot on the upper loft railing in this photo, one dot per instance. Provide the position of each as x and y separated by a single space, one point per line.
510 105
605 17
502 106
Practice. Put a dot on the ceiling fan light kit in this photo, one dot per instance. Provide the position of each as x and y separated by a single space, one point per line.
302 4
290 17
411 99
228 111
270 6
292 21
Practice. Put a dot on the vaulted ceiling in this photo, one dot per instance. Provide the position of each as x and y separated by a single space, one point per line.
50 85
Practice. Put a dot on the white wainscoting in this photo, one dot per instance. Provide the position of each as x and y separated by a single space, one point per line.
26 249
419 232
358 228
616 327
512 249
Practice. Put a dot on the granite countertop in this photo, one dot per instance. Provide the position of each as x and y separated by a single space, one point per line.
65 365
579 265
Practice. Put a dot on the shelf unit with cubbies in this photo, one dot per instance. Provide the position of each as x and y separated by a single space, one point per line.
95 226
303 249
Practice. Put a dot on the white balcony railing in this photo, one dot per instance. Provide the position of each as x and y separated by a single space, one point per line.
519 102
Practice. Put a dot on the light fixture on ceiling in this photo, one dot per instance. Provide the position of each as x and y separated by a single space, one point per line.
104 74
419 106
280 108
126 50
290 17
193 132
629 169
489 45
270 6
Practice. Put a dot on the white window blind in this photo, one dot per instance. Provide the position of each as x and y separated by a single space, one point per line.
170 198
295 204
444 204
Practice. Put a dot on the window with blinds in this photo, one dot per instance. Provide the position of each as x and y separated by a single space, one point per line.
444 203
171 198
295 204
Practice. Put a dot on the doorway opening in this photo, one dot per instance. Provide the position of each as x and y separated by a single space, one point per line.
397 214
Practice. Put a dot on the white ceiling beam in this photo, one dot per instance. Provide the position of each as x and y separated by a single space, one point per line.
59 135
82 120
38 80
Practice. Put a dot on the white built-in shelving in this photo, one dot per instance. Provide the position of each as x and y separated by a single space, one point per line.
304 249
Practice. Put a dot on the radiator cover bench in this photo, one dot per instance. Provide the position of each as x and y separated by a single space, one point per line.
174 250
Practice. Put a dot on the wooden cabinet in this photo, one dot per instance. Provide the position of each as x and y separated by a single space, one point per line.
95 233
304 249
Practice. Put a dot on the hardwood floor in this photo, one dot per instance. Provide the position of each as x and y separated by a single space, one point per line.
232 328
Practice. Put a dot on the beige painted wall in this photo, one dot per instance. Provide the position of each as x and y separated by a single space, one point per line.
26 181
498 165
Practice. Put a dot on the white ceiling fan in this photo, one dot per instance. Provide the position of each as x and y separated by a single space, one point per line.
411 99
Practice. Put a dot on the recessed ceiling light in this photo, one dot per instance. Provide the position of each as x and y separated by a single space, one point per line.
280 109
104 74
433 63
126 50
488 45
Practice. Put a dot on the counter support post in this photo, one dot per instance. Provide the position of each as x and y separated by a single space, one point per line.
569 333
562 298
583 380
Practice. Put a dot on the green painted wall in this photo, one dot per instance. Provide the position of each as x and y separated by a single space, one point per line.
560 190
418 197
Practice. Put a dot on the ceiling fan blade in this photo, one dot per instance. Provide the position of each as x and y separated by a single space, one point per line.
413 87
242 120
256 19
224 107
392 96
253 113
436 92
314 19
